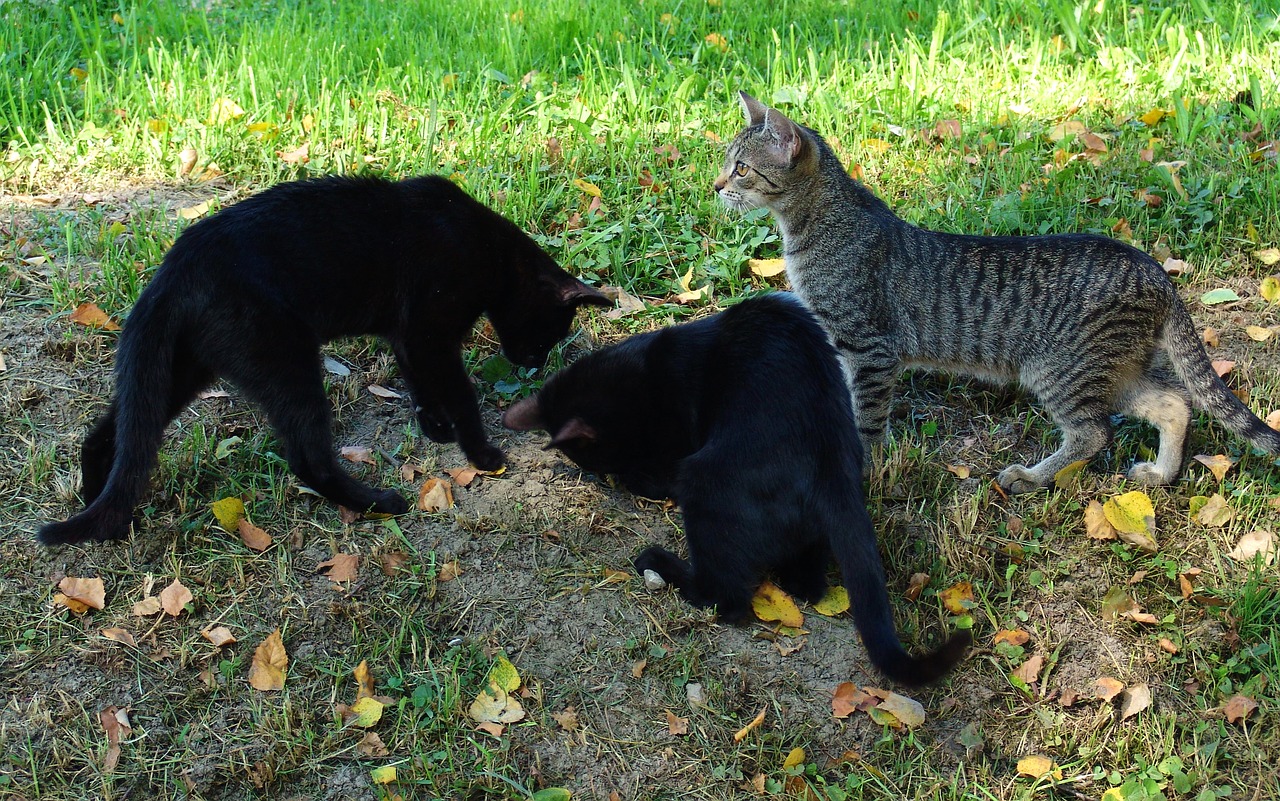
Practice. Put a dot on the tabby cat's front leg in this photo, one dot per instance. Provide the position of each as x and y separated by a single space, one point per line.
871 371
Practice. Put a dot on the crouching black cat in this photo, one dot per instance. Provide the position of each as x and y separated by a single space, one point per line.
745 420
251 293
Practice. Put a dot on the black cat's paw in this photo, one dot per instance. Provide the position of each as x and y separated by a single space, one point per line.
670 567
390 502
486 457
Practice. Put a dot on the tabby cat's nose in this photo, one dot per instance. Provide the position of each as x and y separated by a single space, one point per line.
718 185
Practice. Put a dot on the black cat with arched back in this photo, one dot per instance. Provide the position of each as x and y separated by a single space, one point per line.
251 293
744 419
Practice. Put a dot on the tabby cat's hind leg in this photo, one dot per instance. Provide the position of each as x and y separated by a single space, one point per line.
1160 398
1086 429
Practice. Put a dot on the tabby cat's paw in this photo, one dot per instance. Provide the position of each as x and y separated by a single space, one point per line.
1016 479
1147 473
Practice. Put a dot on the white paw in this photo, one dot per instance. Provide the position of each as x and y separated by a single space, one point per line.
1016 479
1147 473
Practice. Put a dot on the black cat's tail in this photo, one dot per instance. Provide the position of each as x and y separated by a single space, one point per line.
125 441
1210 392
859 559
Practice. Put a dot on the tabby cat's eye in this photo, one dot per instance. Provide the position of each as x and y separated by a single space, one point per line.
741 169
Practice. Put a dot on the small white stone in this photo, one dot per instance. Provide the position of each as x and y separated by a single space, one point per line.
693 691
653 581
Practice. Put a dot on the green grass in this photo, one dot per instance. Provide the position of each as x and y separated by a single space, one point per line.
518 102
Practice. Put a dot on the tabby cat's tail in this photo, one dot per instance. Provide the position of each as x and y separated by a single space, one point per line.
1208 391
130 433
859 559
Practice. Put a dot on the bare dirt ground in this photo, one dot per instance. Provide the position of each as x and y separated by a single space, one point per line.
543 575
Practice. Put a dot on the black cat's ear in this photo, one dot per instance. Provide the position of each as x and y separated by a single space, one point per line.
576 430
752 109
575 293
787 139
524 415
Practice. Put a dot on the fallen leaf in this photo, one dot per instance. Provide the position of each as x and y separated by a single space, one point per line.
365 712
115 722
742 733
147 606
299 155
371 746
907 710
1106 688
342 567
717 41
1269 289
1258 541
88 314
1039 766
383 775
219 636
1152 117
1238 707
688 295
835 602
1064 129
1066 478
224 110
1029 671
228 512
382 392
194 212
1215 512
1268 256
916 585
847 699
449 571
1218 464
462 476
958 470
1222 367
89 592
1116 603
1273 420
958 599
174 598
1013 637
504 674
1210 338
1096 525
771 603
1216 296
120 635
358 454
567 720
1134 519
364 680
1136 699
254 538
269 664
495 705
676 726
187 161
393 562
637 670
409 471
1172 266
1167 645
435 494
767 268
1258 334
1184 585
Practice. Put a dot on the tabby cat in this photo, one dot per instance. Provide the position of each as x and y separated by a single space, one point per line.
1088 324
744 420
251 293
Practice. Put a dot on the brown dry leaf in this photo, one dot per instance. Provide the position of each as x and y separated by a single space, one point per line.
676 726
752 724
342 567
409 471
772 603
916 586
1096 525
1215 513
495 705
382 392
88 314
147 606
187 161
848 699
1222 367
627 303
1106 688
299 155
174 598
115 722
435 494
219 636
1064 129
1211 338
371 746
393 562
1238 707
269 664
1012 636
254 538
1136 699
1258 541
449 571
568 719
1218 464
358 454
1030 669
1273 420
637 670
958 598
120 635
88 593
1184 584
958 470
364 680
1172 266
1167 645
462 476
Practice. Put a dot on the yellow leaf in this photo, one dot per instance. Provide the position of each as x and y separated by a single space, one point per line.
1219 464
958 470
771 603
1134 519
876 145
157 126
383 775
796 757
495 705
224 110
690 295
1113 794
588 187
833 603
907 710
1257 333
766 268
1152 117
229 511
269 664
741 734
368 711
958 598
364 680
504 674
1065 478
1064 129
1268 256
79 74
1269 289
89 315
194 212
717 41
1037 766
1012 636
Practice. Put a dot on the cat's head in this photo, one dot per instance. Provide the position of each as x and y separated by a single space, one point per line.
765 160
538 310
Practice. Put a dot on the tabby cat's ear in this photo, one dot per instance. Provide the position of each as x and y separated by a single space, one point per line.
575 293
752 109
524 415
787 139
576 430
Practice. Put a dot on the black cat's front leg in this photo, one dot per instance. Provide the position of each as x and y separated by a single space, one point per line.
442 390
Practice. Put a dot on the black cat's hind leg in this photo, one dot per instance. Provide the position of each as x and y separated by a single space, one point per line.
96 454
804 575
288 385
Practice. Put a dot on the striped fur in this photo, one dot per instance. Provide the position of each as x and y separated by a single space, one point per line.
1089 325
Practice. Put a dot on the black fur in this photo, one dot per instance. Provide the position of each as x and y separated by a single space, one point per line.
745 420
251 293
